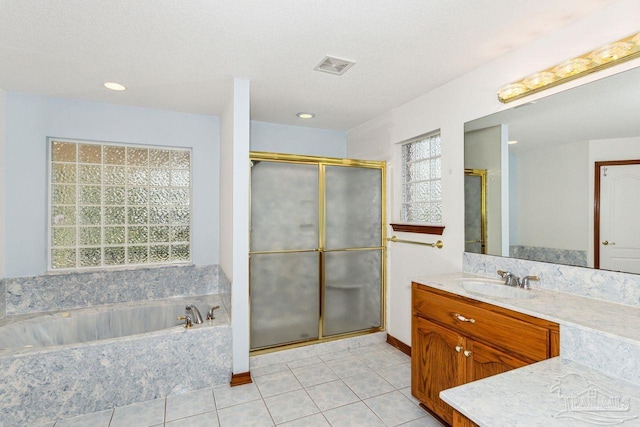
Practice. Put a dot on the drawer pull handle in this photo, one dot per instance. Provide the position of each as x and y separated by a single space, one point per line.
467 353
458 348
461 318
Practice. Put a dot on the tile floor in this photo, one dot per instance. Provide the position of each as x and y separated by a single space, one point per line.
368 386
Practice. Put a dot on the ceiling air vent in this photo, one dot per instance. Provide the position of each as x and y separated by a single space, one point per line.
334 65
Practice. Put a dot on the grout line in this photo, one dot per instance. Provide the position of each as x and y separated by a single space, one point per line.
164 416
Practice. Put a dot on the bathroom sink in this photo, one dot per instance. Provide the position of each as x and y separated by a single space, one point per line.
494 288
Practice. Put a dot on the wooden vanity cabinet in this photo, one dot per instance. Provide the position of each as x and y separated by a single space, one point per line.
456 340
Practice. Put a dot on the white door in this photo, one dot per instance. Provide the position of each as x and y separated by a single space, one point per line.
620 218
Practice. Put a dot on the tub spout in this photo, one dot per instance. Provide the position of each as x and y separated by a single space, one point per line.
195 314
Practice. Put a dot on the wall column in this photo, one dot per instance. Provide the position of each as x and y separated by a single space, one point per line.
234 216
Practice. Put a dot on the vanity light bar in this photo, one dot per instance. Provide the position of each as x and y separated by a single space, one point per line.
603 57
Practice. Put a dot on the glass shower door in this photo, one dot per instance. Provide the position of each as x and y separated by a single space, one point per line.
284 261
353 249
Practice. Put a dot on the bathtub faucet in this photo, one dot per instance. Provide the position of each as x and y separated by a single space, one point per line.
187 320
195 314
210 315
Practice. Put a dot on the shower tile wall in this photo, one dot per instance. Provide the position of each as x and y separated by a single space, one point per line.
85 289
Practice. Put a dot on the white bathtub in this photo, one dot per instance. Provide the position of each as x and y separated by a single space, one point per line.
100 323
56 365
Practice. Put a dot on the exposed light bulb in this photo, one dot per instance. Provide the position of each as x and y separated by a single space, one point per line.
571 67
611 52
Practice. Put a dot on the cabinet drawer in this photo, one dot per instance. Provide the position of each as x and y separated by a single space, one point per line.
525 339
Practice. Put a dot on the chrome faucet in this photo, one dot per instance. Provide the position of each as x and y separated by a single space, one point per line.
510 279
525 283
195 314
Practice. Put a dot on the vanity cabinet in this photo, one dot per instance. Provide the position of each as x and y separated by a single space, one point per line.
456 340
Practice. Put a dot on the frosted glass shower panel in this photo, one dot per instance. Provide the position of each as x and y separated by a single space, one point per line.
353 285
473 216
284 298
353 207
284 206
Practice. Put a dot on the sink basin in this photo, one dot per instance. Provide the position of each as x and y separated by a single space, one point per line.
494 288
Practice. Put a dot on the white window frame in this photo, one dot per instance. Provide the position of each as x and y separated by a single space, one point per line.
103 266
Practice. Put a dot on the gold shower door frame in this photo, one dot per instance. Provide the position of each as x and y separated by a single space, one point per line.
322 163
482 174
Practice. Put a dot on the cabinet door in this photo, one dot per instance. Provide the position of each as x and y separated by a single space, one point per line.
484 361
436 364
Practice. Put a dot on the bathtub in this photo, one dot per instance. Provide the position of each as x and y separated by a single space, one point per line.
57 365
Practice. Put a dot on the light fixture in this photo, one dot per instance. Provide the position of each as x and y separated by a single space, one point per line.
114 86
603 57
303 115
512 142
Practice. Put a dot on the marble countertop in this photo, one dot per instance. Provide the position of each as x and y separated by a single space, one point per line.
617 320
554 392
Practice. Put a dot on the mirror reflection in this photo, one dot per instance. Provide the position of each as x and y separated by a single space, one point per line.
558 179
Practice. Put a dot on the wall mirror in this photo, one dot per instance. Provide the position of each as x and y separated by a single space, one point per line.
568 191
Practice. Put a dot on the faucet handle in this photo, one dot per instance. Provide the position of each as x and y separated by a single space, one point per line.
525 284
503 273
187 320
210 315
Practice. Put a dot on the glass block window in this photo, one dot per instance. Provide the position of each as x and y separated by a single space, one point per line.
118 205
422 180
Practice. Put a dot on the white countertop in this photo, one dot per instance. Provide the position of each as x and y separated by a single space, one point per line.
529 396
546 394
565 309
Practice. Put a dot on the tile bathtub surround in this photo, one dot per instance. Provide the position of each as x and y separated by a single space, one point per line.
332 402
51 292
620 288
48 384
556 256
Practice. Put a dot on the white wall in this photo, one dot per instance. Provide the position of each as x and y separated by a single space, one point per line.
226 186
558 177
275 138
234 218
31 119
447 108
483 150
513 199
3 101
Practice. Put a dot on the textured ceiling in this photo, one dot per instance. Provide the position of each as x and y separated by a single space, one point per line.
180 54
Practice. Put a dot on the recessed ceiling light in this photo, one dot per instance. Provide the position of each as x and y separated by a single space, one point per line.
512 142
306 115
114 86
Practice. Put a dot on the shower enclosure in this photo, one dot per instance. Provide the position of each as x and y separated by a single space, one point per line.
317 248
